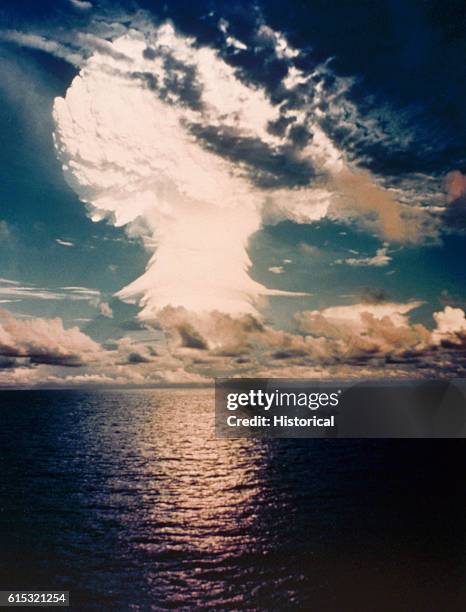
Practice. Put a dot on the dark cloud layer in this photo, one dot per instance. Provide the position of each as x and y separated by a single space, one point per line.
268 167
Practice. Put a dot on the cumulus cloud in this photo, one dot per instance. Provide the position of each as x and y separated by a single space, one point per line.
352 316
359 340
342 339
128 352
451 327
384 331
335 335
44 341
20 377
363 332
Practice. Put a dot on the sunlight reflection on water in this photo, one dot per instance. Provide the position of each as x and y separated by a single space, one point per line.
128 500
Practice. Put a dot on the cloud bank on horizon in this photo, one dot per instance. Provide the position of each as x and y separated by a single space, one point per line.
169 138
361 340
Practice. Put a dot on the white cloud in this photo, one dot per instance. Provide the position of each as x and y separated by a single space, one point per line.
381 258
450 320
81 290
231 41
21 377
348 336
357 341
281 46
30 293
81 5
36 41
44 341
295 77
84 380
13 290
451 326
353 317
7 281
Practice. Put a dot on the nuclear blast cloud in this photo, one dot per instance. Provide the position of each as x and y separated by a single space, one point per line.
161 135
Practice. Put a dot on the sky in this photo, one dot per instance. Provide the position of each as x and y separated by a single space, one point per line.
192 190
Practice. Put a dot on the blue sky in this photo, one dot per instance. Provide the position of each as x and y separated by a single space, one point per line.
388 94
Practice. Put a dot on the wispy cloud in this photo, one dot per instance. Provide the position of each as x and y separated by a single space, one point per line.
42 43
7 281
81 5
10 289
380 259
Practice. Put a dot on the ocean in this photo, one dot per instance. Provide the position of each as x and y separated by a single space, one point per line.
126 499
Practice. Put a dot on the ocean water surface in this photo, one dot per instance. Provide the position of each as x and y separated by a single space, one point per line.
126 499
